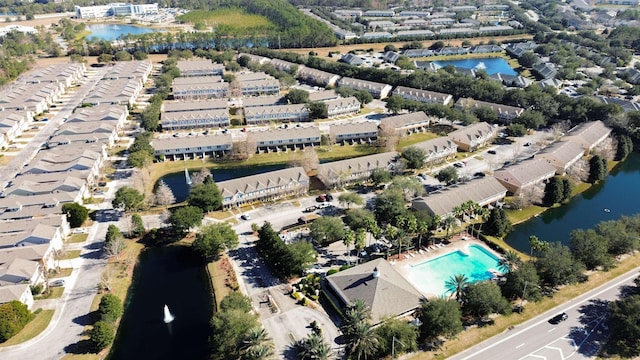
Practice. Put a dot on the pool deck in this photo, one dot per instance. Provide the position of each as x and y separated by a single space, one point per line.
415 257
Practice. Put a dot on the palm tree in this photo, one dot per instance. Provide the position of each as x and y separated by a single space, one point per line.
357 312
456 285
363 342
537 245
314 348
509 262
482 212
256 344
349 238
448 224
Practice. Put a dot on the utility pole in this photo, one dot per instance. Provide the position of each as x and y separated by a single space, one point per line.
524 292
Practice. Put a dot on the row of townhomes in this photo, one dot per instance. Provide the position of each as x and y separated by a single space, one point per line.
553 160
64 170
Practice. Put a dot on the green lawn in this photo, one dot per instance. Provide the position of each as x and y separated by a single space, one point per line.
414 139
64 272
54 293
71 254
233 17
32 329
76 238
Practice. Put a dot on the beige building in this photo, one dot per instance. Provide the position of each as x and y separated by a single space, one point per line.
561 155
264 187
438 149
406 123
517 178
425 96
588 135
505 113
282 139
340 173
377 90
387 293
483 191
342 106
352 132
200 67
474 136
192 147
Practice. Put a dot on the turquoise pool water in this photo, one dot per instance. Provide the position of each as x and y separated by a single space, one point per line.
429 277
490 65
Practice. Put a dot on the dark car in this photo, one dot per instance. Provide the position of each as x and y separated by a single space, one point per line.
558 318
329 197
492 152
527 144
479 174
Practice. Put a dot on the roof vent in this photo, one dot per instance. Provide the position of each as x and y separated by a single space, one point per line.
375 272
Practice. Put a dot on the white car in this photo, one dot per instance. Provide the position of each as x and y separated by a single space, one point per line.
57 283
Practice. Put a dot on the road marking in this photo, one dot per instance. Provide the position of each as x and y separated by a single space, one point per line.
550 330
631 274
519 346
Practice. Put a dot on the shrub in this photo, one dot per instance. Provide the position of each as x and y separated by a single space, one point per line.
110 308
37 289
102 335
14 315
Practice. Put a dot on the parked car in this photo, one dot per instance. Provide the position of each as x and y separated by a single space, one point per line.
479 174
458 164
492 152
245 217
321 198
558 318
310 209
328 197
527 144
56 283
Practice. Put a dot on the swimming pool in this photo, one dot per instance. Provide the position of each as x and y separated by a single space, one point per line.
490 65
429 277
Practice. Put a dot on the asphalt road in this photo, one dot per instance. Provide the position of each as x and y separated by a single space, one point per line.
579 337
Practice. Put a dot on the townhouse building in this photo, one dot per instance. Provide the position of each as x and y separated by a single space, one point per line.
425 96
486 191
201 67
524 175
505 113
283 139
354 132
342 106
179 120
377 90
339 173
281 113
474 136
192 147
268 186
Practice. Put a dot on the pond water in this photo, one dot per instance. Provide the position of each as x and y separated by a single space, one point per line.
609 200
178 184
112 32
490 65
175 277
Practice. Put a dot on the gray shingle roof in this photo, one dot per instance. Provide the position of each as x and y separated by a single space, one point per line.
263 181
525 172
482 191
387 293
399 121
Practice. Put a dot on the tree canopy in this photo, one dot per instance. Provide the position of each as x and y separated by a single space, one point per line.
76 214
483 298
205 196
186 217
213 239
414 156
440 317
327 229
128 198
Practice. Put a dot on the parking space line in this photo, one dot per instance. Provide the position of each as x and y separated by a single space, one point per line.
519 346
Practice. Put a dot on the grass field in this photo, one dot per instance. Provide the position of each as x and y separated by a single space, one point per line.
64 272
72 254
54 293
76 238
234 17
414 139
32 329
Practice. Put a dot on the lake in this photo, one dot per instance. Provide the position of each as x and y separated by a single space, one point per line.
490 65
618 194
174 276
178 184
110 32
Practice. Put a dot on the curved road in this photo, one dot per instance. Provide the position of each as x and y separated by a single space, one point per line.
579 337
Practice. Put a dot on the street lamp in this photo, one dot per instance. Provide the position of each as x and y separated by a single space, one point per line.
524 292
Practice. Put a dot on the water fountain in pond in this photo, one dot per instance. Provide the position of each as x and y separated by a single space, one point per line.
168 317
481 66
